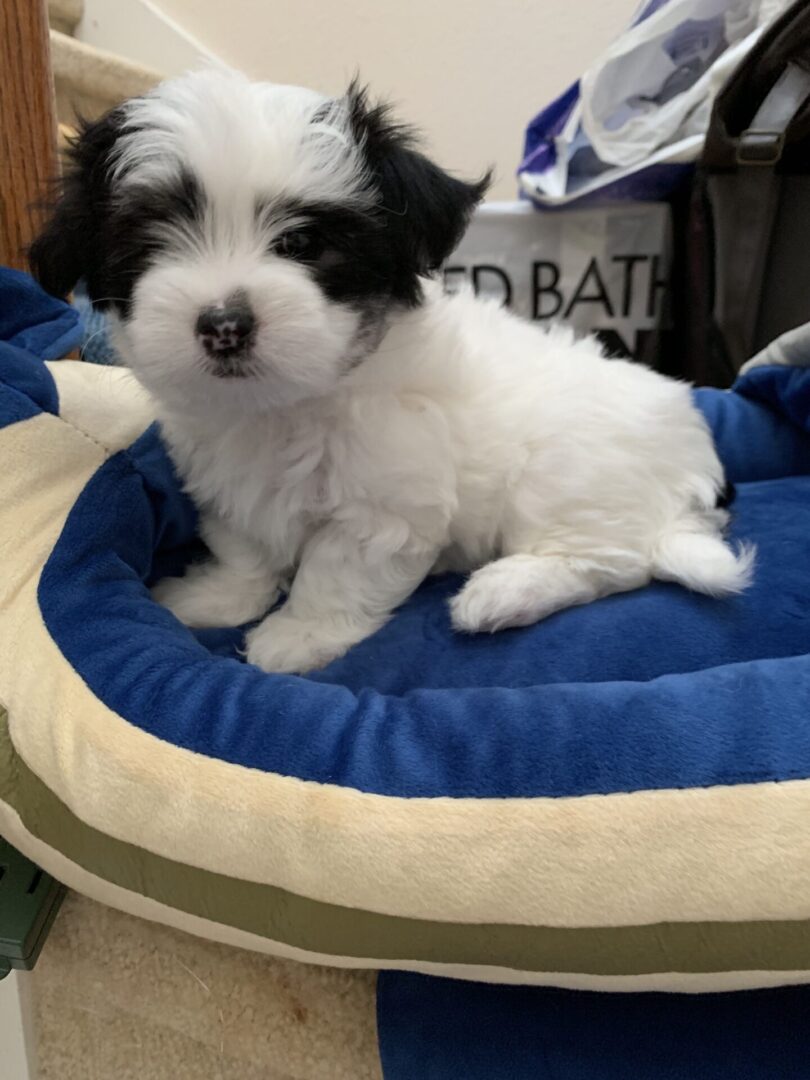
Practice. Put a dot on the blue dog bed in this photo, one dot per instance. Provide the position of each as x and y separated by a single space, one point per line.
615 798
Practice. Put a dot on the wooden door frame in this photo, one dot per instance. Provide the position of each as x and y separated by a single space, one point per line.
28 138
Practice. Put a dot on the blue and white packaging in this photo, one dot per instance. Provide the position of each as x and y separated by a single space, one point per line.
634 124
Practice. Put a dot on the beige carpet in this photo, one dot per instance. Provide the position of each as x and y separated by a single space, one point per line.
117 998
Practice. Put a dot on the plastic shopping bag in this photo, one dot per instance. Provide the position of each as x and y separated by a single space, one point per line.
636 121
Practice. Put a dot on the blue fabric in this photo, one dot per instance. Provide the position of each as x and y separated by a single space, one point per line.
439 1029
26 386
755 436
785 390
96 346
32 320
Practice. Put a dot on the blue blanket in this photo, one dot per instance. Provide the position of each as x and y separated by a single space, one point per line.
33 323
439 1029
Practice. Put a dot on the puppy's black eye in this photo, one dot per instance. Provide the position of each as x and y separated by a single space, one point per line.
299 244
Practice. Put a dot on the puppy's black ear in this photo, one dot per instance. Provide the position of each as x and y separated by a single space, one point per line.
427 209
69 248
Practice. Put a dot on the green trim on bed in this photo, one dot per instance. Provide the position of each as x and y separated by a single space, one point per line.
317 927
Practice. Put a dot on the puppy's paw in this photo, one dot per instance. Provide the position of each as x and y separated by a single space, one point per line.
288 645
474 609
497 596
207 598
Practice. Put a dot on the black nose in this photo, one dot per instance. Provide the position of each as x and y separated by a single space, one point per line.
226 330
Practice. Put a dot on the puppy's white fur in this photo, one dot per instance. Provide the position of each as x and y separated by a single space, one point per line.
465 438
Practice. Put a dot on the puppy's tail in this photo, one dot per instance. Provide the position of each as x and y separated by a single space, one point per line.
702 561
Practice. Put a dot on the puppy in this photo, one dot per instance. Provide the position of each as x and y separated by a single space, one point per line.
268 255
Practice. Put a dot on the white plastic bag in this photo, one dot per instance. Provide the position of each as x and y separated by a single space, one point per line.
640 114
656 84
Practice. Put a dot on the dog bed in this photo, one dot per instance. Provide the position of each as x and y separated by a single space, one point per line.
616 798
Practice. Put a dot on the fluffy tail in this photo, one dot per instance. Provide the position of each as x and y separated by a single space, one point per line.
704 562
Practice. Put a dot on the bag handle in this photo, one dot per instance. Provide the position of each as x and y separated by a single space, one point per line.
745 205
764 141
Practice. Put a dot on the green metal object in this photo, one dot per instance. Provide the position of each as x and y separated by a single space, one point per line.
29 901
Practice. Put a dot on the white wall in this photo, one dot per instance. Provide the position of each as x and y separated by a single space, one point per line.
469 73
140 31
17 1042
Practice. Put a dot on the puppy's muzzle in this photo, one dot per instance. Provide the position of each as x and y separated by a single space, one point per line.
227 331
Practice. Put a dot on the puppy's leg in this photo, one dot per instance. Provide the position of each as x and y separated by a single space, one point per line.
522 589
236 586
345 588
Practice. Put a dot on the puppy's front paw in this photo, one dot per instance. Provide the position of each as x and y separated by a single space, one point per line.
205 598
288 645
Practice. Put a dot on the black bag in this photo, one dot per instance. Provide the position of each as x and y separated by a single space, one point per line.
741 271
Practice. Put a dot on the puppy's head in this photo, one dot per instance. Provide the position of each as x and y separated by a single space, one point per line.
250 239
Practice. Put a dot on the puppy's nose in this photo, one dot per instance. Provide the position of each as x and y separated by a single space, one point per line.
227 329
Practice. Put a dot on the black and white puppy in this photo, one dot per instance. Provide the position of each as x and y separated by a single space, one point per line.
267 254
